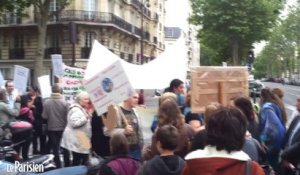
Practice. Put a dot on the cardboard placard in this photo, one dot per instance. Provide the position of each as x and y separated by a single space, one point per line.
217 84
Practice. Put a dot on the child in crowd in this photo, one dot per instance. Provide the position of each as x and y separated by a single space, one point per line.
166 163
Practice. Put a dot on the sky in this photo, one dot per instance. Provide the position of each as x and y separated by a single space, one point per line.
177 12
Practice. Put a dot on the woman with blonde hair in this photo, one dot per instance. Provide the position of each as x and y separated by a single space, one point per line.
77 134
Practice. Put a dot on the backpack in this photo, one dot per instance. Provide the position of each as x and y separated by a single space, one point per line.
105 169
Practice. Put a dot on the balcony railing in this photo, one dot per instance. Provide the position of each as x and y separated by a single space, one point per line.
10 19
85 52
52 50
93 16
16 53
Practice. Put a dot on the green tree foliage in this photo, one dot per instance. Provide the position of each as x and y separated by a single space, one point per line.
13 5
281 48
230 27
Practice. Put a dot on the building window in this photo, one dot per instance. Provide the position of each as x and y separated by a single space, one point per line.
53 7
122 55
7 73
18 40
88 39
90 9
53 44
88 42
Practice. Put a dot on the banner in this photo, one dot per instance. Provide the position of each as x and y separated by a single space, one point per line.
109 87
57 65
71 82
156 74
44 82
21 78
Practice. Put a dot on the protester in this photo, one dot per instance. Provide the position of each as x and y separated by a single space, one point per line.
77 134
55 112
128 123
120 162
25 114
295 112
199 140
100 142
226 130
245 105
278 92
196 120
167 163
271 127
177 87
39 135
7 114
141 100
169 114
291 153
164 96
11 93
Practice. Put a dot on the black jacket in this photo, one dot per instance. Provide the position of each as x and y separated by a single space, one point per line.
159 166
291 152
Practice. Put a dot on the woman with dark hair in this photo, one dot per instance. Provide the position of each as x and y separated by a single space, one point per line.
120 163
39 134
25 114
226 130
271 127
177 87
245 105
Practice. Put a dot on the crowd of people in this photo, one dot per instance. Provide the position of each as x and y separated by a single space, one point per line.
233 139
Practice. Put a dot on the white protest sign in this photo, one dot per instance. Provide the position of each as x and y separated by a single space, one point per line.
109 86
21 78
1 80
72 82
44 82
57 65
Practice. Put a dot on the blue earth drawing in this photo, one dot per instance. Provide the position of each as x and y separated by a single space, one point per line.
107 85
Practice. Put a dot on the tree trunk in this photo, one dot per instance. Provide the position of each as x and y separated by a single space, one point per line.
235 52
41 44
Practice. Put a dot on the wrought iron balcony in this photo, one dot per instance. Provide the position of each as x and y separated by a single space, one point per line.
52 50
16 53
93 16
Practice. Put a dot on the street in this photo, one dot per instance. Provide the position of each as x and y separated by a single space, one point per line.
290 95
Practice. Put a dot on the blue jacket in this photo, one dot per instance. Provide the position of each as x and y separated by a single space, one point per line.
272 128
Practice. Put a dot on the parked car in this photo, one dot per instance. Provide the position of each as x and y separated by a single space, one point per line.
255 88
